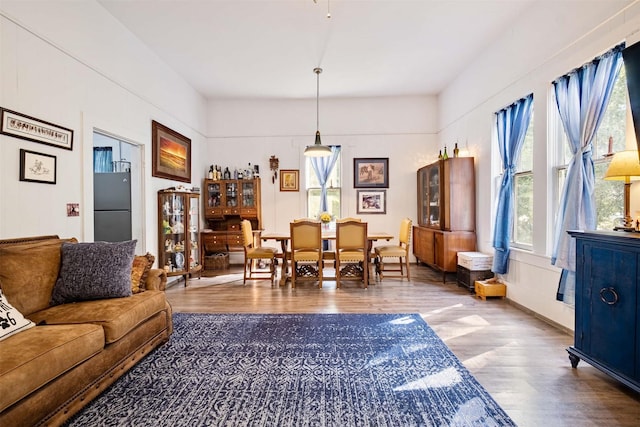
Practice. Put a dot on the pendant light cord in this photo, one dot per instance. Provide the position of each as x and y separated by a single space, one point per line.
317 100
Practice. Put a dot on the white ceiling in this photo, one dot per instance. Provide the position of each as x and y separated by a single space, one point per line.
268 48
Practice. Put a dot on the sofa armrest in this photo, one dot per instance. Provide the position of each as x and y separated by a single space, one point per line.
156 280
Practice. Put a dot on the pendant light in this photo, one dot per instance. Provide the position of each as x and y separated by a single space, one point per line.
317 149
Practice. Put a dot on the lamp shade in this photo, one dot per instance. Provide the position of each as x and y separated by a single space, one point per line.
317 149
624 167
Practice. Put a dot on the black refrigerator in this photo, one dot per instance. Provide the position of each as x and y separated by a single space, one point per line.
112 206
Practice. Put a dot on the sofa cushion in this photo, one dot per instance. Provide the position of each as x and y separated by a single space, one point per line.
140 270
28 272
38 355
117 316
11 320
94 270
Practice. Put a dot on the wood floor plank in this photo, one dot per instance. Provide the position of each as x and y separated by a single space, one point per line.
520 359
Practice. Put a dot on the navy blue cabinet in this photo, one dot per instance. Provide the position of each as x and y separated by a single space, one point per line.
607 329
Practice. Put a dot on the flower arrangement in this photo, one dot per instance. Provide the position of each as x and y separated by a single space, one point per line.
325 217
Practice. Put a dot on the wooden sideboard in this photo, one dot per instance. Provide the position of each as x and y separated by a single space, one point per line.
439 249
607 319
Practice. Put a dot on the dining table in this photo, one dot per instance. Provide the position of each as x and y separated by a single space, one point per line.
284 238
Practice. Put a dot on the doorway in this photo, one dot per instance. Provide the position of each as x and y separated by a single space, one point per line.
117 189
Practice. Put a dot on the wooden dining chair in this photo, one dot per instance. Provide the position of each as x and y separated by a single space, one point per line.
254 252
399 251
352 252
306 251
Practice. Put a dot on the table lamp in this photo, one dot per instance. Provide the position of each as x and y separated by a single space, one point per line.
625 167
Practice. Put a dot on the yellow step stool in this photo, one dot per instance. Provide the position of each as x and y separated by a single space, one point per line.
485 289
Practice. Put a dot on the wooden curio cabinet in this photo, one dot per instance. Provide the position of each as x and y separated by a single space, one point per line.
227 203
179 233
446 213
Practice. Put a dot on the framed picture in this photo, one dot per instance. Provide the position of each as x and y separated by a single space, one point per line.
37 167
372 202
32 129
170 153
289 180
371 173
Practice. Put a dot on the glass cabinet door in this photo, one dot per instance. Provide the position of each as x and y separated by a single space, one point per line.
433 183
232 194
214 195
172 257
194 235
248 194
423 197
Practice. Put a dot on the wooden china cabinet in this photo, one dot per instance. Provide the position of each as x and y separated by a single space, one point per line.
226 203
446 213
179 233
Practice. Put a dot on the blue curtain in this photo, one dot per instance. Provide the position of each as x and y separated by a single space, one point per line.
512 124
582 97
322 166
102 159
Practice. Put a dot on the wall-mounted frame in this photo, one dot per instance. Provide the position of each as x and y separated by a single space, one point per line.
36 130
371 201
371 173
171 153
289 180
37 167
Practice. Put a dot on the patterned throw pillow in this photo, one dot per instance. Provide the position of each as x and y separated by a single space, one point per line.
94 271
11 320
141 266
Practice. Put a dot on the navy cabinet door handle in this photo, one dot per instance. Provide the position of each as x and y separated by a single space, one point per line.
608 296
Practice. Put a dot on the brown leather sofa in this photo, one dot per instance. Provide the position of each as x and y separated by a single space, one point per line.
76 350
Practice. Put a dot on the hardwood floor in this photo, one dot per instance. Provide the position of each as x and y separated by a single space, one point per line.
520 359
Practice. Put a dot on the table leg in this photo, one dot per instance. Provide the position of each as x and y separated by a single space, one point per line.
284 270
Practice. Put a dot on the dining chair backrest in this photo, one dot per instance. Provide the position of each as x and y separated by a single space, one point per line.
247 233
306 235
405 232
351 235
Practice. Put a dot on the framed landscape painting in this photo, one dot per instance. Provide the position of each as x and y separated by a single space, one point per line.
371 173
171 153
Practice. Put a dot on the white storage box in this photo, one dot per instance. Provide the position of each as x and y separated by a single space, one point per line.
475 260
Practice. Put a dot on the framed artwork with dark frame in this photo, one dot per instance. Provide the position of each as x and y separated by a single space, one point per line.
36 130
170 153
371 173
371 202
37 167
289 180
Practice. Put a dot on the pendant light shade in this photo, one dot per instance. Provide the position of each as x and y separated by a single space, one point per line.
317 149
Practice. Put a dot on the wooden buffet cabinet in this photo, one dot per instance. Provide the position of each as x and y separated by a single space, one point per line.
446 213
226 203
607 319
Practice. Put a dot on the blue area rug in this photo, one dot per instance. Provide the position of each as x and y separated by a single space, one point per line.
297 370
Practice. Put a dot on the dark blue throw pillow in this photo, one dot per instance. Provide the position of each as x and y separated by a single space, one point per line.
92 271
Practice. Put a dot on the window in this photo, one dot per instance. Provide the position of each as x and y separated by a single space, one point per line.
333 189
610 138
523 193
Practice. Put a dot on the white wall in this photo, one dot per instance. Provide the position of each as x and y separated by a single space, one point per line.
534 52
400 128
72 64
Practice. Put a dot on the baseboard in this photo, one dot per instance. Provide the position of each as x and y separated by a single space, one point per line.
541 317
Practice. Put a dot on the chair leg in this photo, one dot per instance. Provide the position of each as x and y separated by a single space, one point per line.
406 259
320 268
293 273
244 273
337 264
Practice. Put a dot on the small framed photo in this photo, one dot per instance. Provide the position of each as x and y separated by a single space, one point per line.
372 202
36 130
170 153
371 173
37 167
289 180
